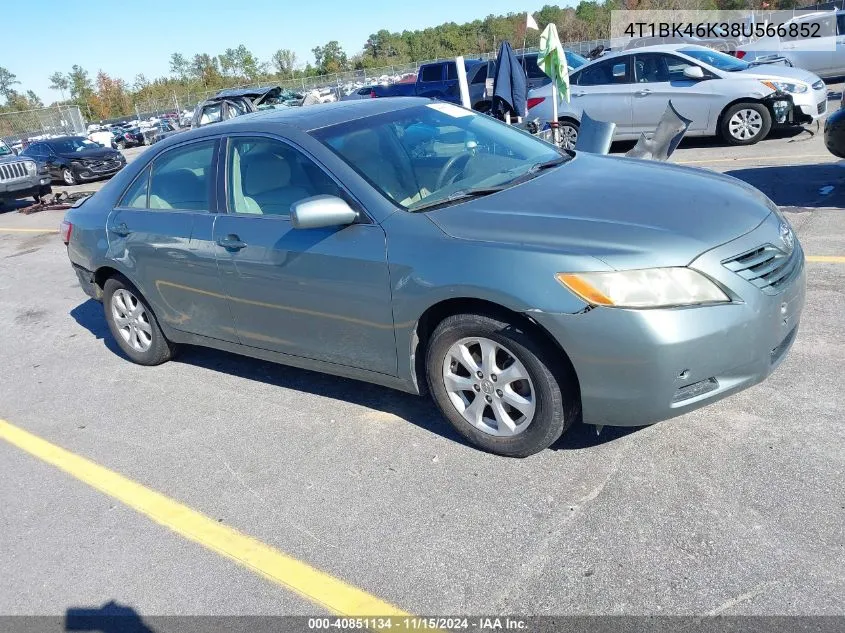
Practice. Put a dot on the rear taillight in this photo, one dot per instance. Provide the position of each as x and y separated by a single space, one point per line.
739 54
533 101
65 230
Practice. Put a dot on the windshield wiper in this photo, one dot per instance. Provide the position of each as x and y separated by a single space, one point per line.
560 160
457 196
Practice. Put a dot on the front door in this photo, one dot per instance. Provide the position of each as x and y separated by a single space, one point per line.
161 235
660 78
322 293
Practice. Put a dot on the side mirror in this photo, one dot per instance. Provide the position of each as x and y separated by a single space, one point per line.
693 72
321 211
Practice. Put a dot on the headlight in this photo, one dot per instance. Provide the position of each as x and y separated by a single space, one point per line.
31 167
784 86
647 288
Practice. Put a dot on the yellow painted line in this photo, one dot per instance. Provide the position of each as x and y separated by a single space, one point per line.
757 158
2 230
312 584
830 259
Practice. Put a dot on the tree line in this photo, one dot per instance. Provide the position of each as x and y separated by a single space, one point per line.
104 96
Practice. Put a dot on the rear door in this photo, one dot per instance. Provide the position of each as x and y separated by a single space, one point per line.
660 78
161 233
322 294
604 91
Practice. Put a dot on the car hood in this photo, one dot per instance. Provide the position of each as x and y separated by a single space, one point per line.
775 71
95 154
628 213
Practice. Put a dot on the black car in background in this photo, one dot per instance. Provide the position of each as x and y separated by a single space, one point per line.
834 131
73 159
128 136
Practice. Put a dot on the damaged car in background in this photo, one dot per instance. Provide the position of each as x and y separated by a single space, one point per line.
722 95
429 248
73 159
230 103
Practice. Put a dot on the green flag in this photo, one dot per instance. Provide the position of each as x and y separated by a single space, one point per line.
552 60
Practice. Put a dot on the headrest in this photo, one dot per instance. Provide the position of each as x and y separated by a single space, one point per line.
264 172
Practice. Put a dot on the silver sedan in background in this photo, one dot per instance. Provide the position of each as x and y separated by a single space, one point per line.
722 95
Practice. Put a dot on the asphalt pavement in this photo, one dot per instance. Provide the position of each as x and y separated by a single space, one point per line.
737 508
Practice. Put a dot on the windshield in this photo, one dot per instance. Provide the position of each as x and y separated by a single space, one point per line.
4 149
75 144
715 59
425 154
574 60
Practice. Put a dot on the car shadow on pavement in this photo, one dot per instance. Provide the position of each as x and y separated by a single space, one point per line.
112 617
13 205
803 186
421 412
90 316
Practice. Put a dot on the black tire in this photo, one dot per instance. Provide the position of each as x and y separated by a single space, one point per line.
759 108
568 133
160 349
556 402
68 177
121 145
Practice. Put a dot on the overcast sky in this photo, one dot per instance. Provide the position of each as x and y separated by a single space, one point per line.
134 36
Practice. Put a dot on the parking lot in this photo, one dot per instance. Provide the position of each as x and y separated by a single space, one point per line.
734 509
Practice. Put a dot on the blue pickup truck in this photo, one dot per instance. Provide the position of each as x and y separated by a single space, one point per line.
439 80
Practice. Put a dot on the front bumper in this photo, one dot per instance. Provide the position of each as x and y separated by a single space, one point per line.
637 367
33 186
809 106
90 173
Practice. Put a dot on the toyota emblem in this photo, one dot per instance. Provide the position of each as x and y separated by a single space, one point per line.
787 237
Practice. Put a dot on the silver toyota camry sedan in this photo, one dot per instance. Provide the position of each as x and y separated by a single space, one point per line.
421 246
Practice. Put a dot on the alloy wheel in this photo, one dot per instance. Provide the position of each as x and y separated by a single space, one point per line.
568 136
489 386
131 320
745 124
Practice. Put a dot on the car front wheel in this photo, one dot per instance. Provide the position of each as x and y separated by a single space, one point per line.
497 386
68 176
133 324
746 123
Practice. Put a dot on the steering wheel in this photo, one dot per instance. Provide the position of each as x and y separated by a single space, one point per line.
444 171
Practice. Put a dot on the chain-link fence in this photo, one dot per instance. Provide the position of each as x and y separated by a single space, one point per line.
56 120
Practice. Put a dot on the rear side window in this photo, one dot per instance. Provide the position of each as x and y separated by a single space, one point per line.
182 178
433 72
211 113
136 196
611 71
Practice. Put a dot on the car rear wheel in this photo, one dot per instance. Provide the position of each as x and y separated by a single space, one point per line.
121 145
567 134
133 324
746 123
497 386
68 176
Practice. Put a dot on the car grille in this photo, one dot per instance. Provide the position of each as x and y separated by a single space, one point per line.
12 171
819 85
767 267
103 165
822 107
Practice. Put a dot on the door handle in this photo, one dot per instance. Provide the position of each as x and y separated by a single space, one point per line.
643 93
121 229
577 94
231 242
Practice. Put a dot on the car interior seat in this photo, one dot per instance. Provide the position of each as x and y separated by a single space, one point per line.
178 189
267 184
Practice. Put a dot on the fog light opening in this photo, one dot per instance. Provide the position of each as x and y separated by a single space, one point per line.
695 390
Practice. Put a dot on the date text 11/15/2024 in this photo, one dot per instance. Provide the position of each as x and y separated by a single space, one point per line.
419 623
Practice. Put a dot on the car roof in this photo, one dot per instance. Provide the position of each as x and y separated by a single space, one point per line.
58 138
306 118
244 92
